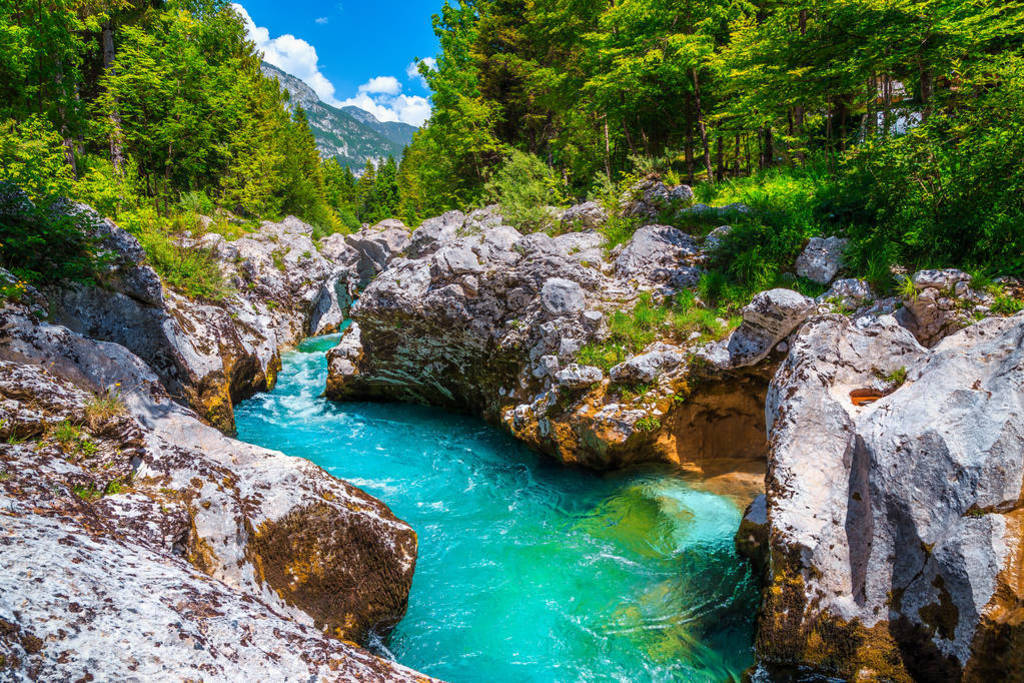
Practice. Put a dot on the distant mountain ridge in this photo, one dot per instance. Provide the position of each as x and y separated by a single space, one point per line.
350 134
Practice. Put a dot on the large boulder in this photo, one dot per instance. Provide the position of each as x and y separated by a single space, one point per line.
659 255
125 515
767 320
376 246
894 488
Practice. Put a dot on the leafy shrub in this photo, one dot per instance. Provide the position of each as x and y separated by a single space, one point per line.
41 243
524 187
949 192
194 272
197 202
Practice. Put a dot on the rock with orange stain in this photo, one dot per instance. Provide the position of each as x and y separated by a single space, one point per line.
895 545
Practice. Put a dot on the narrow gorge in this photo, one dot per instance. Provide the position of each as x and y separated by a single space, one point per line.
592 529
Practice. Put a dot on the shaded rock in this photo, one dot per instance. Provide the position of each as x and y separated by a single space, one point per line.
586 248
821 259
713 240
377 246
650 198
752 540
894 507
935 310
589 215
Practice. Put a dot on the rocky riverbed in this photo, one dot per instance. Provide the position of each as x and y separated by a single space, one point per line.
885 436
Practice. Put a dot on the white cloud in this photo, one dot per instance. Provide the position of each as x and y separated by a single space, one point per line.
381 96
413 70
290 54
321 20
381 85
411 109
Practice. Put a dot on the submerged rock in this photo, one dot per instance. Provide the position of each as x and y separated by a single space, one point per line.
138 539
894 489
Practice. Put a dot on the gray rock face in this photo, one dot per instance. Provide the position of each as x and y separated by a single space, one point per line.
210 355
822 259
659 255
562 297
434 232
767 320
850 293
894 508
589 215
652 197
576 376
646 367
937 308
377 246
166 549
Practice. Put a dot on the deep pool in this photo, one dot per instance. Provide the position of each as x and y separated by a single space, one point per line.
527 571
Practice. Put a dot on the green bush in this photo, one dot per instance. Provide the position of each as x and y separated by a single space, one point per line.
524 187
193 272
950 192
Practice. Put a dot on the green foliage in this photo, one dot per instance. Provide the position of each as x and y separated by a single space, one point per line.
897 377
525 187
677 319
194 272
1007 305
648 423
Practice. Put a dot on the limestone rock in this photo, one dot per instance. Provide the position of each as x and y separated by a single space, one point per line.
659 254
894 508
646 367
651 197
211 354
849 293
822 259
935 310
434 232
562 297
575 376
234 561
377 246
768 319
589 215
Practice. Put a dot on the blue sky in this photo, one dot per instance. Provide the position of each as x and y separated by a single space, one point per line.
350 52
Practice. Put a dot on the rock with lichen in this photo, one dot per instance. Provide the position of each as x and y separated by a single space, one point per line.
124 516
211 354
893 496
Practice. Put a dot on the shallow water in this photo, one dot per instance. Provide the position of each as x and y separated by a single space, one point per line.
527 571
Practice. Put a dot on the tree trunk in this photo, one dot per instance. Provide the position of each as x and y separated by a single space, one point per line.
116 132
607 150
702 127
720 153
688 151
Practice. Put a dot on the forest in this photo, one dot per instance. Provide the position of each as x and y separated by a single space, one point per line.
896 123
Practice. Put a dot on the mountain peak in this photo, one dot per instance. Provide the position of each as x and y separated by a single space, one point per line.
350 134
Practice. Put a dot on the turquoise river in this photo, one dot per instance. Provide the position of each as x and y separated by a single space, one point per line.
527 570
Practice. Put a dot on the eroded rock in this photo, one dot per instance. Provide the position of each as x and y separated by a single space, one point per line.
822 259
894 489
134 517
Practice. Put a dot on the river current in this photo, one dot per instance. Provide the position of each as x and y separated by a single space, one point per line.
527 570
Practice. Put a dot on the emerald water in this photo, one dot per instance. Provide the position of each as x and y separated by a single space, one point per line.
527 570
